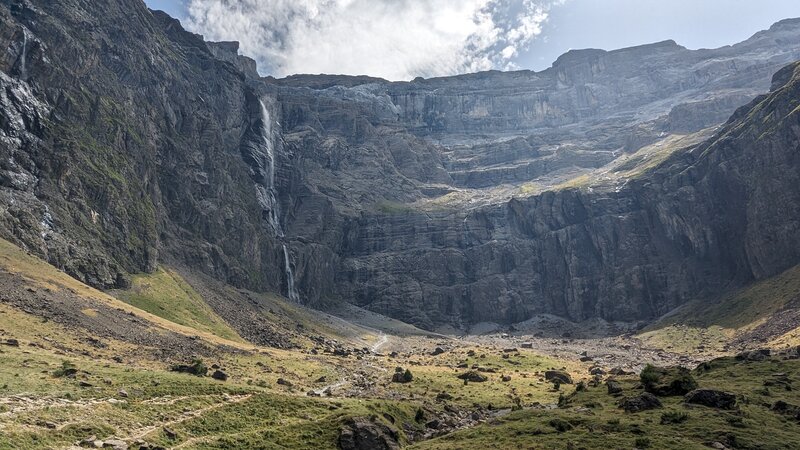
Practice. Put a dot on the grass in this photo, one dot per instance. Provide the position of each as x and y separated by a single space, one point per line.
711 324
591 419
40 274
166 294
436 374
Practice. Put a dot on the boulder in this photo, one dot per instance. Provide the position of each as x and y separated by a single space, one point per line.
116 444
711 398
443 396
640 403
364 434
614 387
474 376
219 375
754 355
787 409
596 371
559 376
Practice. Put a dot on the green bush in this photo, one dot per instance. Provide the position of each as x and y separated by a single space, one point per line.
560 425
67 369
650 374
673 417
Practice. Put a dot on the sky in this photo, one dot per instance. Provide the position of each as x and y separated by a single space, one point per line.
403 39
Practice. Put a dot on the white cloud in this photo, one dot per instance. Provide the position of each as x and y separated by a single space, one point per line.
394 39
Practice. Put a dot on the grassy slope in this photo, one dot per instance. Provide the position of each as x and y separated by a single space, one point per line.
597 422
712 324
43 275
249 410
166 294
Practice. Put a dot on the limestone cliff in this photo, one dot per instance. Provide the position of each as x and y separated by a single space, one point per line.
601 187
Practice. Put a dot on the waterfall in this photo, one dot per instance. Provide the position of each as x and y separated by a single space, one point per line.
23 71
269 199
292 292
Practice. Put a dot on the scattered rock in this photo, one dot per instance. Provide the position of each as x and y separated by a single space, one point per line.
437 351
123 393
506 378
11 342
284 382
639 403
711 398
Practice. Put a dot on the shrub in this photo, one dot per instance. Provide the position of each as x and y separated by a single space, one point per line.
197 368
673 417
67 369
642 442
649 375
560 425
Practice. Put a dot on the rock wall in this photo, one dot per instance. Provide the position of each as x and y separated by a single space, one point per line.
126 142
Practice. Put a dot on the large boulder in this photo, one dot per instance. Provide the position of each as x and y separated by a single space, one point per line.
640 403
473 376
364 434
559 376
614 387
711 398
787 409
667 381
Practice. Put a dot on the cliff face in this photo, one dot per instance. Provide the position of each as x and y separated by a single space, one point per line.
585 190
530 212
712 217
120 145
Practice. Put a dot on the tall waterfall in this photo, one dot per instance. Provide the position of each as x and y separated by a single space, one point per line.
292 292
269 200
23 70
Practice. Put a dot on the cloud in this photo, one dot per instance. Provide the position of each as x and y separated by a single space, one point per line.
394 39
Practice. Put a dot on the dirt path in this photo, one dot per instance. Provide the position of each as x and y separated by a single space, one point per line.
142 432
384 339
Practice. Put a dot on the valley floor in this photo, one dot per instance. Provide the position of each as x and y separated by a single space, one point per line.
81 368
